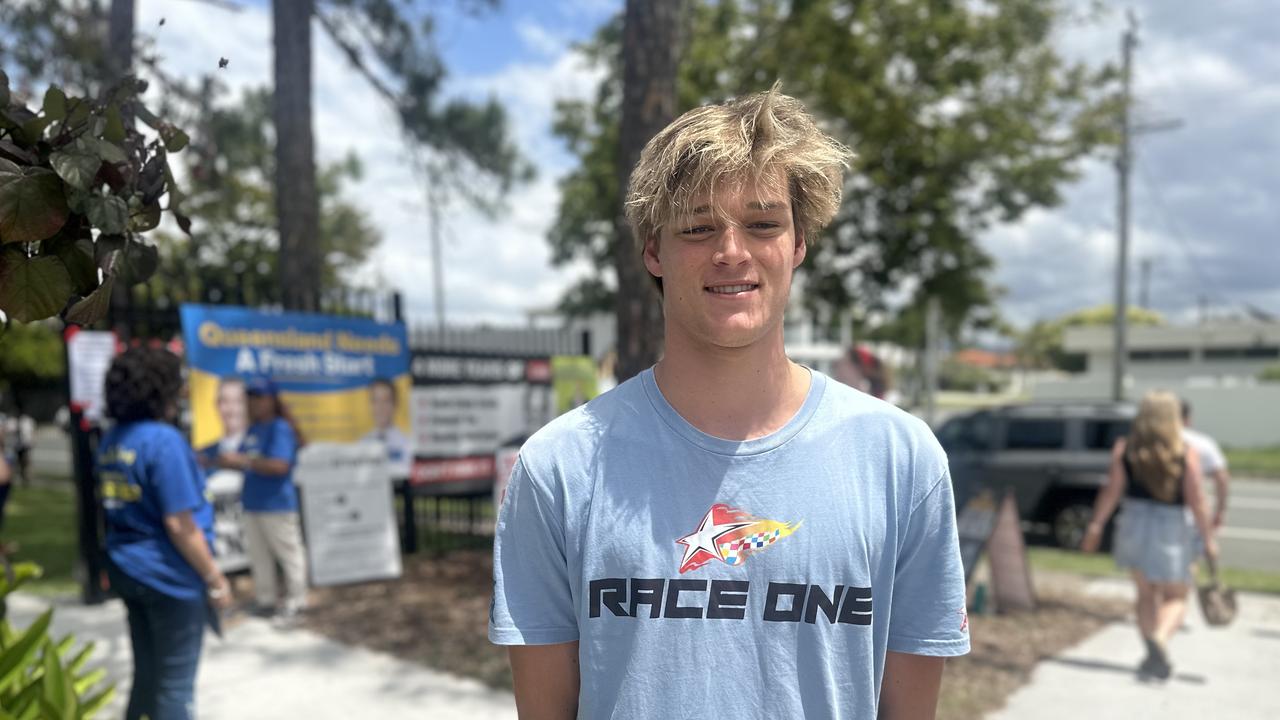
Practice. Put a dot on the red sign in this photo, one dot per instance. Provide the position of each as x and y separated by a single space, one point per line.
477 467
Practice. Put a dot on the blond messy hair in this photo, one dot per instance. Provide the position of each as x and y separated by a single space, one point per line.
1155 450
741 142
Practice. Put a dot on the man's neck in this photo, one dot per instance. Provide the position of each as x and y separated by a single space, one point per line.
732 393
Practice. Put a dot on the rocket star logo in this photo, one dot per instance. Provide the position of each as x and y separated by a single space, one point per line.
729 535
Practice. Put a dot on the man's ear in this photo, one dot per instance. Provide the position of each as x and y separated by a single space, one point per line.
650 256
802 249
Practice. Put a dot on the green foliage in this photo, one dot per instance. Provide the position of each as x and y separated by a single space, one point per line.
76 188
1040 346
40 678
1258 462
961 377
962 114
1270 373
31 354
42 520
231 199
394 47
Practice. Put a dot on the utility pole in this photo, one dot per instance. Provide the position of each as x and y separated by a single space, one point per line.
437 253
932 342
1124 165
1120 358
1144 290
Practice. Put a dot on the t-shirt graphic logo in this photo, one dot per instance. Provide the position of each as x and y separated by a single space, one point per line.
729 535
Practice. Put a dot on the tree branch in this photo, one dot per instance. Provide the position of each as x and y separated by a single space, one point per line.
356 59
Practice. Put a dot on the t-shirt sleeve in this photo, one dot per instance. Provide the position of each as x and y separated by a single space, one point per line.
1213 460
928 614
282 443
174 474
532 600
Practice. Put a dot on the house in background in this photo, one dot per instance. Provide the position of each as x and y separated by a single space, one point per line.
1215 366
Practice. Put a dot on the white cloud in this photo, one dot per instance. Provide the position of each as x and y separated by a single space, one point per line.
1201 203
495 268
539 39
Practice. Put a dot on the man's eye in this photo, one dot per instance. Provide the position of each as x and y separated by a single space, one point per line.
764 226
697 230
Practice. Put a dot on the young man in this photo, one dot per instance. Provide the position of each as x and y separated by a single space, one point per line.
730 534
1212 463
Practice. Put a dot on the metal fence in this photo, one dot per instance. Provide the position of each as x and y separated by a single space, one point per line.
440 523
518 341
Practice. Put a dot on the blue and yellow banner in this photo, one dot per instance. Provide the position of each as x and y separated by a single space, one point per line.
343 379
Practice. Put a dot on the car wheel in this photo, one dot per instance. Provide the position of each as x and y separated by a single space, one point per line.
1069 524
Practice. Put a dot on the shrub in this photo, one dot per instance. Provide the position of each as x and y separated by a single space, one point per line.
41 678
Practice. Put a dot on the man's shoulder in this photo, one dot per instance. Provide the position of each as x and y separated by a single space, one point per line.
848 407
1200 440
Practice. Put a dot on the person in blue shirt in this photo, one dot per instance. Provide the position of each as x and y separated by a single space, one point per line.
159 527
272 528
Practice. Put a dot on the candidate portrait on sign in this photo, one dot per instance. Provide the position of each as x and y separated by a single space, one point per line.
383 402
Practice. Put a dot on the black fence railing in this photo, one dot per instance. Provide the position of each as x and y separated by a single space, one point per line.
440 523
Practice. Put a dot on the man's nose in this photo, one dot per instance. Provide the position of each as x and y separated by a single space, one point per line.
732 249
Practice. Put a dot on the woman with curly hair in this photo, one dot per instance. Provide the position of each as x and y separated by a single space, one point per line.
159 528
1158 477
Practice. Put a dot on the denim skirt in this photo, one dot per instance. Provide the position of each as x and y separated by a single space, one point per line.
1157 539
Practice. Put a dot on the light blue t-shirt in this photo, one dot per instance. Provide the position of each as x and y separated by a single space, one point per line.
705 577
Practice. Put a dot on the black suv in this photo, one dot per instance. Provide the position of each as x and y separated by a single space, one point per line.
1054 457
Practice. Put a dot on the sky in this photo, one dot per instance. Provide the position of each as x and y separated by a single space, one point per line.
1204 213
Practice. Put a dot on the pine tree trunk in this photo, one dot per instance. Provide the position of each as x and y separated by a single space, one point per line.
119 63
297 206
120 40
650 51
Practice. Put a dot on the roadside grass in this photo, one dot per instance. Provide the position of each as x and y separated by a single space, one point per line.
1102 565
41 521
1254 462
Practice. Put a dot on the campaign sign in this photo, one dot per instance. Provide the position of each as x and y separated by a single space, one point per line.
347 509
468 405
342 379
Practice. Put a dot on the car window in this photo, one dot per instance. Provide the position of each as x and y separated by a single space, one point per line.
1035 434
1102 434
976 432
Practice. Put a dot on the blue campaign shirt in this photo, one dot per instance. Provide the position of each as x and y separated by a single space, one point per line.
707 577
146 470
270 493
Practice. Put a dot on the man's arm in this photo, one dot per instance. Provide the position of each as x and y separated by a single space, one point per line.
1221 485
546 681
909 690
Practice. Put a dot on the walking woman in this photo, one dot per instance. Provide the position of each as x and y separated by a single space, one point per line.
1156 477
272 530
159 527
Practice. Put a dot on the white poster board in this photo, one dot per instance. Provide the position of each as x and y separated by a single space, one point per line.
347 513
229 551
89 355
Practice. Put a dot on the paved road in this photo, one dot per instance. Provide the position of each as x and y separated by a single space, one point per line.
51 453
1251 536
1251 539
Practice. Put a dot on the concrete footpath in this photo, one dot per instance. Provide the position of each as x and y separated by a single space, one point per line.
1217 672
257 671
